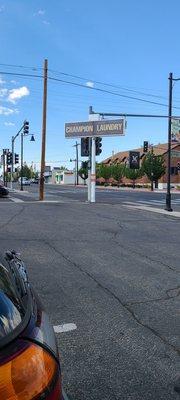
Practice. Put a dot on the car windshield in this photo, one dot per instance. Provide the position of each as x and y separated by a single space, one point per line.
11 310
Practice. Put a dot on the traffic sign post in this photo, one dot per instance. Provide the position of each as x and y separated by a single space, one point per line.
95 128
134 159
90 133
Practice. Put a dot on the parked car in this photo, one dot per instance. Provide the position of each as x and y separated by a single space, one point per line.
35 180
3 191
25 181
29 362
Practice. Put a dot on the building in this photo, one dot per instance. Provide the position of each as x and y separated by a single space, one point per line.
159 149
64 177
47 174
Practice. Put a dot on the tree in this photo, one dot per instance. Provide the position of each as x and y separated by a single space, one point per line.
104 171
133 174
154 167
26 172
62 168
83 173
117 172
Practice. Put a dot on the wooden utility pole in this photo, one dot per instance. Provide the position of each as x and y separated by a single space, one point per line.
43 148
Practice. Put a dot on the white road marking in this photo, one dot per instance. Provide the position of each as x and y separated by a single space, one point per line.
64 328
16 200
153 209
150 202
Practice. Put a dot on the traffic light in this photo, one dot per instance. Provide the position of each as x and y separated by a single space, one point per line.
84 147
26 128
145 147
84 165
9 158
98 146
134 159
178 166
16 158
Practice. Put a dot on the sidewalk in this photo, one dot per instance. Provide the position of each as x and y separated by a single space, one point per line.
127 189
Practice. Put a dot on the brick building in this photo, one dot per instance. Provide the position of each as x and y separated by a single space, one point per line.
160 149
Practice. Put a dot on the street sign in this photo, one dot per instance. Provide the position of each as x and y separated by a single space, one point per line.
95 128
134 158
175 128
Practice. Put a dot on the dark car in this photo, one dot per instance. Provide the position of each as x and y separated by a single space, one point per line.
29 362
3 191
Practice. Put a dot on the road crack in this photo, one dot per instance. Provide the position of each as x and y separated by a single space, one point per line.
109 291
12 218
164 298
132 251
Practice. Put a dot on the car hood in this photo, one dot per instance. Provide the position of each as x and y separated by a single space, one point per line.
14 313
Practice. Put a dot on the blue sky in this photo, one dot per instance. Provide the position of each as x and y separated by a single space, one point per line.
132 44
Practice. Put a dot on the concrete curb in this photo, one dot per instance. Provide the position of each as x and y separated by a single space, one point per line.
175 214
124 189
17 191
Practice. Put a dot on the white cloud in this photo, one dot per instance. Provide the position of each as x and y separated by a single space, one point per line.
7 111
90 84
39 13
9 124
1 81
15 94
3 92
46 22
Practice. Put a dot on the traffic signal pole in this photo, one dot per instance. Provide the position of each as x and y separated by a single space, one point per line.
77 164
12 147
89 161
93 170
43 148
4 167
89 171
12 164
22 135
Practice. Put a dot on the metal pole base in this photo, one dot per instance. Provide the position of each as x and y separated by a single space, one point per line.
168 202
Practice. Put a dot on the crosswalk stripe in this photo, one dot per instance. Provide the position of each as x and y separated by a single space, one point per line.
16 200
150 202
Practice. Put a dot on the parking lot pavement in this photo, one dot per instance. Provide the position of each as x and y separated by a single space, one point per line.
110 282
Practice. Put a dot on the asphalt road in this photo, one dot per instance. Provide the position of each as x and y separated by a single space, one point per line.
114 273
103 195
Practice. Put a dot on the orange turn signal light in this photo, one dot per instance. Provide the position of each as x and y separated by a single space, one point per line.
27 375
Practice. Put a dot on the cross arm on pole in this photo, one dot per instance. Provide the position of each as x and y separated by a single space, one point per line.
134 115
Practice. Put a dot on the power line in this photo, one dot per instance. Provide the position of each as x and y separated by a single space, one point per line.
86 79
21 74
87 87
107 84
21 66
109 92
81 78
